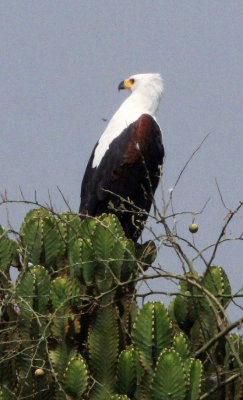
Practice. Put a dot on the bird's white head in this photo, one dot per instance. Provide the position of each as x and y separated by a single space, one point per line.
146 93
145 88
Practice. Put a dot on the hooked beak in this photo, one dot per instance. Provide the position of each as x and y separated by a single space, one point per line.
121 86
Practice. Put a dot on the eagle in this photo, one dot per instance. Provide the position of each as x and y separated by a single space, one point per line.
124 168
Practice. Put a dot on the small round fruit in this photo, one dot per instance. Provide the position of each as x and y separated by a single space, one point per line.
39 372
193 228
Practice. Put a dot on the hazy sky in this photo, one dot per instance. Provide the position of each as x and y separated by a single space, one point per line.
61 63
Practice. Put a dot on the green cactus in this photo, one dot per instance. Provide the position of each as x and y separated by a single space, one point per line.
70 327
103 344
76 377
8 256
180 344
42 238
169 379
127 372
216 281
151 333
194 381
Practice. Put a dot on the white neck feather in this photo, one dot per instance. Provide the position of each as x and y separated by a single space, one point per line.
144 99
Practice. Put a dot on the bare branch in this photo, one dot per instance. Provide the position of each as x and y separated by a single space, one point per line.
189 160
64 199
222 233
221 196
222 333
219 386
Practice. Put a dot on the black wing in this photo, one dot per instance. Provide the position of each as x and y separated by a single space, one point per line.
127 176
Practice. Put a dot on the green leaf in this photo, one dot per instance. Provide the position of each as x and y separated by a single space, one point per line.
151 332
126 373
130 264
37 213
88 262
163 334
195 380
103 351
171 312
60 294
7 250
169 381
112 222
103 242
79 249
42 288
25 296
181 346
109 243
186 310
103 252
217 282
43 238
32 236
75 259
61 356
142 334
205 327
76 377
139 369
60 297
117 257
187 369
53 242
72 225
103 279
88 226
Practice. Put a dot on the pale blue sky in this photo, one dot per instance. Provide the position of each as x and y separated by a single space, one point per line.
61 63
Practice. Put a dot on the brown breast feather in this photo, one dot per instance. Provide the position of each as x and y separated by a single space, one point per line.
140 139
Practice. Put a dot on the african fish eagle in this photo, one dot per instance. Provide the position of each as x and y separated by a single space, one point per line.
124 169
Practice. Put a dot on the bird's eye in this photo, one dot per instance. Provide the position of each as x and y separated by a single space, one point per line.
132 81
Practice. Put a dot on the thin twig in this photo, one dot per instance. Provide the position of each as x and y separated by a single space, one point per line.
218 336
222 233
63 197
219 386
189 159
221 196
